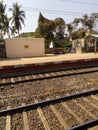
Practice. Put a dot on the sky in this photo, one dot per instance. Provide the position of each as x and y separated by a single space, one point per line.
51 9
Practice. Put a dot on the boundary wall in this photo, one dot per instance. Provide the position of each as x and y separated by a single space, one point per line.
24 47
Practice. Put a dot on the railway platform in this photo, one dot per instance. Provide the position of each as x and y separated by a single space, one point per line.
48 62
94 128
47 59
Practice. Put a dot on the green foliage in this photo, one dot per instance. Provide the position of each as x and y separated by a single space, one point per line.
28 34
17 19
2 12
80 33
46 28
59 25
88 21
59 29
18 16
2 16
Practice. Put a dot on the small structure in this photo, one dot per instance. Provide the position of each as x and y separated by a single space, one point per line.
59 46
77 45
95 42
91 43
24 47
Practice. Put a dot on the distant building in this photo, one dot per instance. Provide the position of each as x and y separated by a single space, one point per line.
59 46
91 43
24 47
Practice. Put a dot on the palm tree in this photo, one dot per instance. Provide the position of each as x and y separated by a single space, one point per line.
18 17
6 26
2 15
13 31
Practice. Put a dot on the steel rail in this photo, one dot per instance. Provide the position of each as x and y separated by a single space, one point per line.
44 71
85 125
45 103
42 78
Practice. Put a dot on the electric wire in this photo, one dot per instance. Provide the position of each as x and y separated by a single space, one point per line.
78 2
52 11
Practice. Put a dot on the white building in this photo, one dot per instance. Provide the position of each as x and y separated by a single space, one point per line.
24 47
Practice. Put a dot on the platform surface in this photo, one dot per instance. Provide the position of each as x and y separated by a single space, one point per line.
47 58
94 128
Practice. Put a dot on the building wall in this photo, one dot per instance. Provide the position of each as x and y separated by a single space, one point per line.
23 47
77 45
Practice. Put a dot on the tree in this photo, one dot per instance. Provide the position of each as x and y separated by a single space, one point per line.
88 22
2 15
59 28
18 17
6 26
45 29
70 29
75 23
2 11
50 30
80 33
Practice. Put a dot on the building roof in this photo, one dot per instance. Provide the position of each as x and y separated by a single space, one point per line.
94 35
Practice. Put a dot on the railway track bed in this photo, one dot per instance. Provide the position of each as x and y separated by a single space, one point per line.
67 114
19 78
63 113
14 94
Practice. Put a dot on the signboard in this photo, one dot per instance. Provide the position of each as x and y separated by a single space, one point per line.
26 46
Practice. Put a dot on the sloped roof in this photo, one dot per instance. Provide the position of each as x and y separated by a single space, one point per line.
94 35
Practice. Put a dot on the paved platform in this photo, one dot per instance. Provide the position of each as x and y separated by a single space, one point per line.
94 128
48 59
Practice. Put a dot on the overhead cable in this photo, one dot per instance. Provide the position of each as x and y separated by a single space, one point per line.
78 2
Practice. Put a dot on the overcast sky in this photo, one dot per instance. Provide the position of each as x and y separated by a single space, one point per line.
51 9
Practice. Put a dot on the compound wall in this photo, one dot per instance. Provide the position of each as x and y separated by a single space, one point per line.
24 47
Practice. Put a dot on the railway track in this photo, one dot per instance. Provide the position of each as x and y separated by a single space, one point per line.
13 79
73 112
